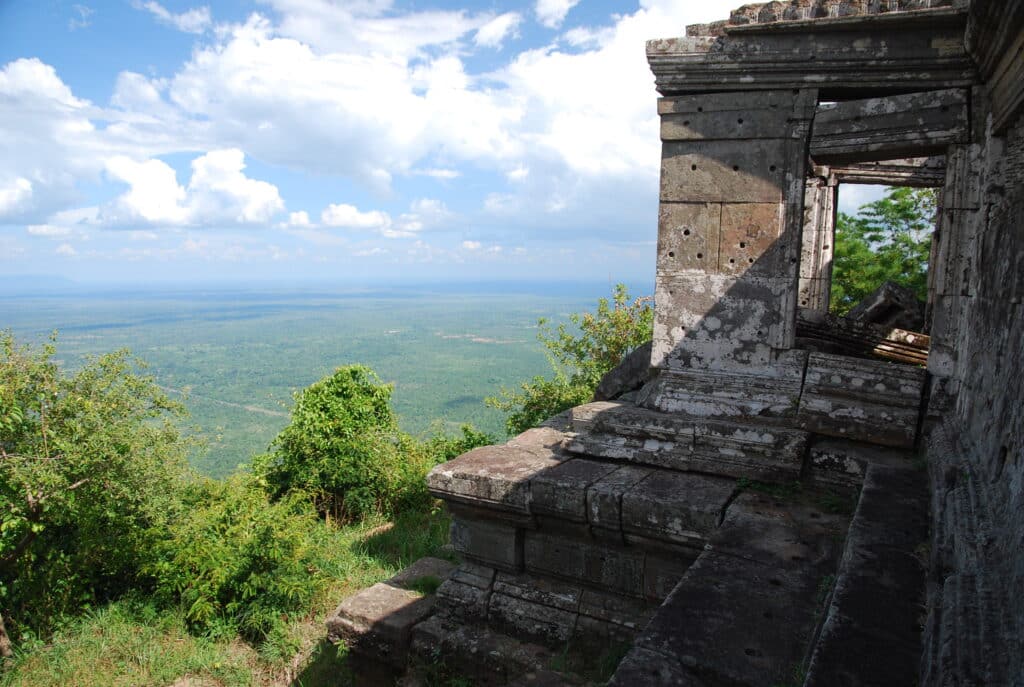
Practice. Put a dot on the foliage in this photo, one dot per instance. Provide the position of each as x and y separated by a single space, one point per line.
344 449
579 357
888 240
136 641
88 467
236 563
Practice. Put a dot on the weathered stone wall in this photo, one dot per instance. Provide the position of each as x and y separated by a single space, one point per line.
975 633
795 10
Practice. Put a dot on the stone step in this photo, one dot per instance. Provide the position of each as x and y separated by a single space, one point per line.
867 400
767 390
745 612
840 464
625 432
453 650
376 623
630 530
540 608
872 630
600 523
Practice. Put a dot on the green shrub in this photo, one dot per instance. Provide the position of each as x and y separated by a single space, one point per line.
344 450
237 563
579 356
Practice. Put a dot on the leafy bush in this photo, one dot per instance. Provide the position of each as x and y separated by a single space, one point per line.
89 463
344 449
888 240
579 357
236 562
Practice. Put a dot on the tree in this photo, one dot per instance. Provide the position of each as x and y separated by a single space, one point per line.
888 240
89 463
343 448
579 357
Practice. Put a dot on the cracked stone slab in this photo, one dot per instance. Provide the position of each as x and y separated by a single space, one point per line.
562 490
604 499
678 507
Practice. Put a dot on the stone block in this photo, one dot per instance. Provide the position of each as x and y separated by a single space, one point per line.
688 236
604 498
597 563
721 116
494 477
684 442
642 666
890 127
466 594
842 463
866 400
483 656
423 568
677 507
522 618
723 171
735 621
565 596
489 542
614 609
715 317
376 623
752 241
562 490
757 393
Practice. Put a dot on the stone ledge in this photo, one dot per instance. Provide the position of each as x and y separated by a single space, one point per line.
498 477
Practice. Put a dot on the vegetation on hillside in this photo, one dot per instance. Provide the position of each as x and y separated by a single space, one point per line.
888 240
579 355
106 532
99 506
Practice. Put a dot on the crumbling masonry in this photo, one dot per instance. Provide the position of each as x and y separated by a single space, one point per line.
666 522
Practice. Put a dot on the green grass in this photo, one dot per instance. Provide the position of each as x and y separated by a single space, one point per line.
131 642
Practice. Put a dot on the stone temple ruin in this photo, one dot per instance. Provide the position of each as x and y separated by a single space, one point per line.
664 527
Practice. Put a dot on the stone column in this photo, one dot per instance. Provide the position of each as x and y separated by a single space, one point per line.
729 226
817 242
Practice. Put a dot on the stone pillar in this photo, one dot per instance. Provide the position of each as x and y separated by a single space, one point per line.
817 242
729 226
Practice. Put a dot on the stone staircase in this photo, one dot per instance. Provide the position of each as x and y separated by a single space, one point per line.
684 537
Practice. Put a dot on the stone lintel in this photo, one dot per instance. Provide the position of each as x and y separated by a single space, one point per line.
913 124
843 58
918 172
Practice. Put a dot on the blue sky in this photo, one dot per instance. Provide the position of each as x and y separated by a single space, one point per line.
309 139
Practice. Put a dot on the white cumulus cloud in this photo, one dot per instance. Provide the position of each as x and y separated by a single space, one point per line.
218 193
493 33
195 20
551 13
